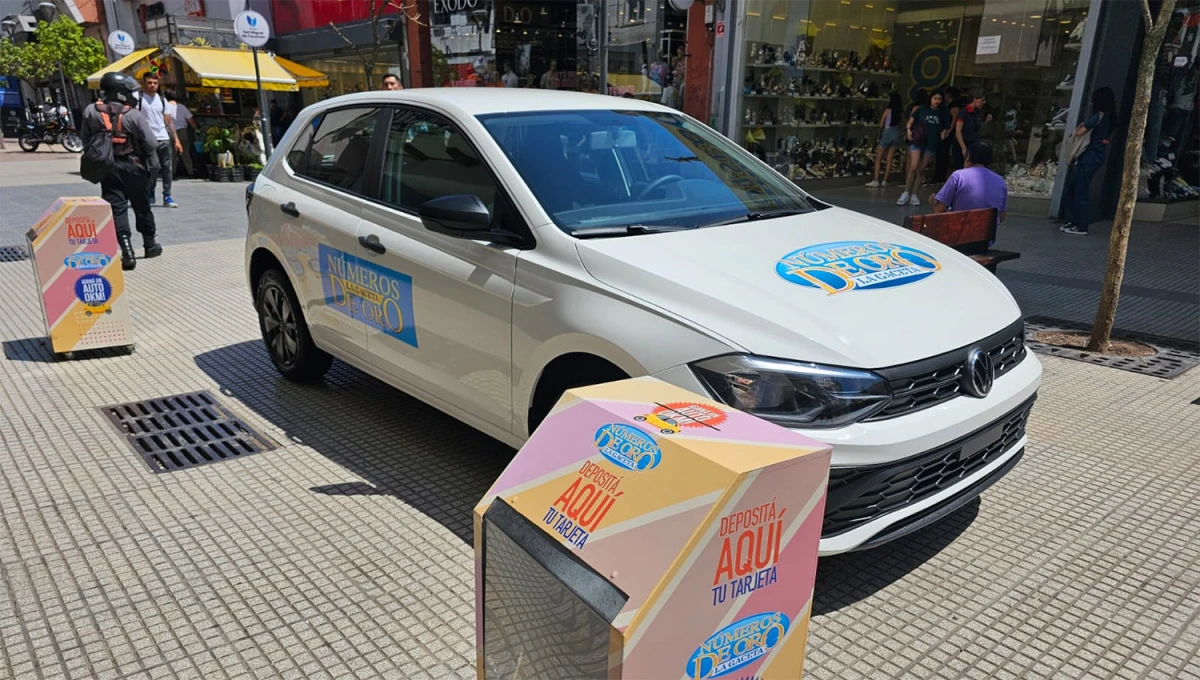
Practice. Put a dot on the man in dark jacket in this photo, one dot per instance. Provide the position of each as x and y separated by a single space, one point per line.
133 149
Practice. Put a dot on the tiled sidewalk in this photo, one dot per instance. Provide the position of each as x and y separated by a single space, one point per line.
346 551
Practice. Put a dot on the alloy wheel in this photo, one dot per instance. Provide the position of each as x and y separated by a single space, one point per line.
279 325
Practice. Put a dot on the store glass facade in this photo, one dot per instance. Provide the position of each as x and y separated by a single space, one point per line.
1171 152
816 76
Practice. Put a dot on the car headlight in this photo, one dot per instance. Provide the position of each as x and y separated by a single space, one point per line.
794 394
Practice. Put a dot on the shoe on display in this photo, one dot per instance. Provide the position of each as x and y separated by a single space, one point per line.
903 200
1075 230
1068 82
873 184
913 200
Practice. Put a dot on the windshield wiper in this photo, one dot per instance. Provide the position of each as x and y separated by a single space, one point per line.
756 216
627 230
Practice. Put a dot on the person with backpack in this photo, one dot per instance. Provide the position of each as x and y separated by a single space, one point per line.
158 118
118 148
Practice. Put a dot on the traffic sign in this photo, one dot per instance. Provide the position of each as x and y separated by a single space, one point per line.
252 29
120 42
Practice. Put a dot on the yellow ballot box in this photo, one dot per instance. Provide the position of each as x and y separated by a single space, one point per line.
644 531
77 266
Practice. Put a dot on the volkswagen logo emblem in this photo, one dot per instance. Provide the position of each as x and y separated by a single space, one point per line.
979 374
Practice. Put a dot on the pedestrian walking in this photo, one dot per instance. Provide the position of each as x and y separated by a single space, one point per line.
890 138
925 129
975 186
185 125
133 148
1099 126
154 108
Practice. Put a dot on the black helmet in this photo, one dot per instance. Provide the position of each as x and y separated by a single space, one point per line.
118 87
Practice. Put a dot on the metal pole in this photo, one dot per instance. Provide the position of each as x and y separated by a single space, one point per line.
602 34
66 96
264 118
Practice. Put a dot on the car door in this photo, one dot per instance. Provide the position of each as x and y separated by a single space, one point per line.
448 329
321 210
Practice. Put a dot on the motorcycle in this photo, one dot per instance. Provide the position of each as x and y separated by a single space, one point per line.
56 131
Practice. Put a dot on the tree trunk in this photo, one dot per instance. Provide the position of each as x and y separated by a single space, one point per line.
1118 242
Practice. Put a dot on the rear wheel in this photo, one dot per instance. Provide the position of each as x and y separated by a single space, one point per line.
29 143
72 142
285 332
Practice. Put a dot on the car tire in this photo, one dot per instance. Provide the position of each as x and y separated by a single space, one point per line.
285 331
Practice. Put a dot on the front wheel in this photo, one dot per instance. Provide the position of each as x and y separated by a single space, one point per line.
29 143
72 142
285 332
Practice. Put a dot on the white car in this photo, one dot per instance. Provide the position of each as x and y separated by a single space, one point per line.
486 249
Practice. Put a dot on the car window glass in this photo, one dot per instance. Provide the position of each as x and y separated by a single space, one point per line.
338 155
426 157
295 157
599 168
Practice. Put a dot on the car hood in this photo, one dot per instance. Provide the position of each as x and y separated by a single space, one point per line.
832 286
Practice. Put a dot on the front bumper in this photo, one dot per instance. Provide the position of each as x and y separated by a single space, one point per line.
896 444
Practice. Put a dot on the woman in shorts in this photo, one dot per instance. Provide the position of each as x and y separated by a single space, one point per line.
922 148
890 138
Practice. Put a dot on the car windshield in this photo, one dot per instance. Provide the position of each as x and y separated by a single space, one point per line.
601 168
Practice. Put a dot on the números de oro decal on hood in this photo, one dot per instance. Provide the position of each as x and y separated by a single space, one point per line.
856 265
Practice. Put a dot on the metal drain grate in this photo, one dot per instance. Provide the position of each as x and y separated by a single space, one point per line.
184 431
1172 359
13 254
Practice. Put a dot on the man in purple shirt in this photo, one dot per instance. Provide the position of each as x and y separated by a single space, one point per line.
975 186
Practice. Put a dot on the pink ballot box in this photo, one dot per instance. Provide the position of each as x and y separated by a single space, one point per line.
646 532
77 265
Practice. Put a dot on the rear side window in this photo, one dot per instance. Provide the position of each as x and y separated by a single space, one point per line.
338 153
427 158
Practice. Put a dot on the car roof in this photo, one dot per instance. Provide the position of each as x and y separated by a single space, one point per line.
475 101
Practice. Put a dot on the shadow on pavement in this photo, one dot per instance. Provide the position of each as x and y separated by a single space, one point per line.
397 445
38 350
845 579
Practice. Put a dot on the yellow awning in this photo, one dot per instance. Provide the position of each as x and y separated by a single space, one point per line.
235 68
305 76
121 64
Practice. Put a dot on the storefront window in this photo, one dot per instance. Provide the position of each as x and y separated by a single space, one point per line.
346 75
495 43
817 76
1171 152
647 51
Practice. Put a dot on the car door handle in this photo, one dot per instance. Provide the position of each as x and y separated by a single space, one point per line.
289 208
372 244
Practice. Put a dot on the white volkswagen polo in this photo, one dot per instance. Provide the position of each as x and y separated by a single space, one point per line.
486 249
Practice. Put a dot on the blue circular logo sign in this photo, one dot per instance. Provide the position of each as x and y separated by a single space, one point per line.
628 447
93 290
739 644
855 265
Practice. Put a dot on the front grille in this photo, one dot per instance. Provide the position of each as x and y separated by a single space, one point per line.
858 495
929 382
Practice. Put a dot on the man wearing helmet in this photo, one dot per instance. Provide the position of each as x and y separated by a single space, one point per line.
133 147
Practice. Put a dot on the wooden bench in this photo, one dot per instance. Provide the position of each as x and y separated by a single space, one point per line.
970 232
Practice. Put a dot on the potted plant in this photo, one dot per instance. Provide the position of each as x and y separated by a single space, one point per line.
218 142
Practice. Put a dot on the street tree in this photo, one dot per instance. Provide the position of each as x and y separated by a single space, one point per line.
1118 242
58 48
381 31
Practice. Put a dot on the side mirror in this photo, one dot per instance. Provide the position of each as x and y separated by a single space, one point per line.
460 215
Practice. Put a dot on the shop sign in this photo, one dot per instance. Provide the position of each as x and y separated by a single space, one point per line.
449 6
121 42
988 44
251 28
